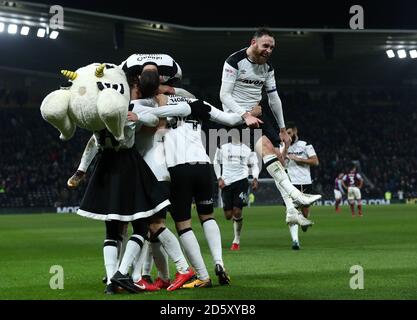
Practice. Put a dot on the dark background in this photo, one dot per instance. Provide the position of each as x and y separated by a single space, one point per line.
273 13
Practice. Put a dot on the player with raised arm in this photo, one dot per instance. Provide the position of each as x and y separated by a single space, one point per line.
170 74
189 168
245 74
150 147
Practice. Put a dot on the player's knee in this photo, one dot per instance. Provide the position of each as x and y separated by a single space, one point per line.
205 217
156 225
140 227
228 214
237 213
267 146
155 232
112 230
182 225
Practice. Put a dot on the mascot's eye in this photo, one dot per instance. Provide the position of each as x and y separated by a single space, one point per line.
109 66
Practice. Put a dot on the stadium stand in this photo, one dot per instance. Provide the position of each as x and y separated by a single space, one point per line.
371 127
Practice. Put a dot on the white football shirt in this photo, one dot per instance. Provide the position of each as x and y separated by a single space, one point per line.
299 173
235 159
248 79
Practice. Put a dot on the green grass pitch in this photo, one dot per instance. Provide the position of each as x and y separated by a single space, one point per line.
383 242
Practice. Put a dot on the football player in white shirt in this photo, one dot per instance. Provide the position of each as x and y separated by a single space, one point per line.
149 148
300 157
170 74
245 73
232 162
190 172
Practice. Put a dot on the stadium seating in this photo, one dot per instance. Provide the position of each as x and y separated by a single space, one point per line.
374 127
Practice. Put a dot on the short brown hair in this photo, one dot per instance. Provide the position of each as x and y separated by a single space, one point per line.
263 31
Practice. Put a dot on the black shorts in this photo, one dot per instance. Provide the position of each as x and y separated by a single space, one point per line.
250 136
235 195
305 188
164 187
188 182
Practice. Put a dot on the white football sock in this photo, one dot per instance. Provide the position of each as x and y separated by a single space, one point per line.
110 258
237 228
285 196
172 247
213 237
148 262
277 172
294 231
161 260
192 250
139 262
132 251
121 245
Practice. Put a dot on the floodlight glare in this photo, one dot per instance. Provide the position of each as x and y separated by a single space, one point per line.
24 31
390 53
54 34
41 33
12 29
401 53
413 53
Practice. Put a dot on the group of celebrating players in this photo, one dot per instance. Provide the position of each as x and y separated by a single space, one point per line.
162 165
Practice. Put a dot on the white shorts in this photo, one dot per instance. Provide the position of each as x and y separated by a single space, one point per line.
337 194
354 193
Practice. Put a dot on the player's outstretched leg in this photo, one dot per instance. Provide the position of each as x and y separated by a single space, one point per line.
192 250
160 257
213 237
276 170
133 248
237 229
140 264
172 247
293 216
360 207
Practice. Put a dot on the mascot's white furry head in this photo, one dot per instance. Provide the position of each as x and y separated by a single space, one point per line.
97 97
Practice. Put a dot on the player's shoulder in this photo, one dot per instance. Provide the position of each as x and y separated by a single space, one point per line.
234 59
246 148
270 67
307 144
301 143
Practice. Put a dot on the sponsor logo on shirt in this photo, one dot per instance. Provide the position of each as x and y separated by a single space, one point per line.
149 56
255 82
174 99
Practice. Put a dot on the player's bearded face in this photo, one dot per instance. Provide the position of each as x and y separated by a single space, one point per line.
264 47
291 133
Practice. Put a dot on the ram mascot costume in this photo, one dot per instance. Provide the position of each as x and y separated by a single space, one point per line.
95 97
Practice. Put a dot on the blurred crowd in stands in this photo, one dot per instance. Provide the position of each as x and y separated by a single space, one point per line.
374 128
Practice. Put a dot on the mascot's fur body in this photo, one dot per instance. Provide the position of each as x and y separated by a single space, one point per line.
98 98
